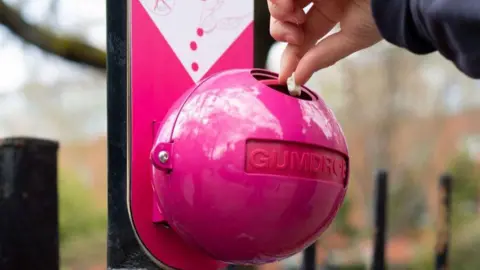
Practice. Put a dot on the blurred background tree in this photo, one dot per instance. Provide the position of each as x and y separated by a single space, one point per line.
67 46
52 62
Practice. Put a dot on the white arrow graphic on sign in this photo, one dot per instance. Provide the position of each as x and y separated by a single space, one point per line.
199 31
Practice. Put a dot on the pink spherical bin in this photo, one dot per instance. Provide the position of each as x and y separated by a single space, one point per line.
247 173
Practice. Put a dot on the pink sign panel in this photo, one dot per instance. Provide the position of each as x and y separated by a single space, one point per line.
173 45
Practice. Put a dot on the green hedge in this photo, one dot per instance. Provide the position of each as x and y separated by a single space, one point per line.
82 224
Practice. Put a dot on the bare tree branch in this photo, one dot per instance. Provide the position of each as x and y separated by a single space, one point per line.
69 48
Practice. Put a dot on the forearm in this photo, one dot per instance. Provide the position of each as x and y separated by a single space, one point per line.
451 27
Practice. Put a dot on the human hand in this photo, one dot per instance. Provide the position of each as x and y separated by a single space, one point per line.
303 55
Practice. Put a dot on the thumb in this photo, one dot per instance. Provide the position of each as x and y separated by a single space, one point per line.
326 53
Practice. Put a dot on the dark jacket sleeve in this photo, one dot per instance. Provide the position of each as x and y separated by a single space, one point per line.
451 27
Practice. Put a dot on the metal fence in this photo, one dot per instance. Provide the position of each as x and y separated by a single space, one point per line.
29 214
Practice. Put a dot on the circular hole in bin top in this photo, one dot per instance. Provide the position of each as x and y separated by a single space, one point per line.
271 80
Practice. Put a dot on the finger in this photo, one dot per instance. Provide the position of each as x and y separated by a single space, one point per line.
326 53
316 26
287 11
286 32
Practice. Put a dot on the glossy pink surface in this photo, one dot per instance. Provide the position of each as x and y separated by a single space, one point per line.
157 80
254 175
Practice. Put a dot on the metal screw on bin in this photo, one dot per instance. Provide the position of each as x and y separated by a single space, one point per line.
163 156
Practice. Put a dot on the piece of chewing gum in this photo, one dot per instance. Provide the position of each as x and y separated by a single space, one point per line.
293 88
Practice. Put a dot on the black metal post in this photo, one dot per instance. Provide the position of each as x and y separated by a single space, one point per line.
381 183
28 204
443 222
263 40
309 258
123 249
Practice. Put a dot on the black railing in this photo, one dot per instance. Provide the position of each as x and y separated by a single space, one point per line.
443 221
29 214
380 230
